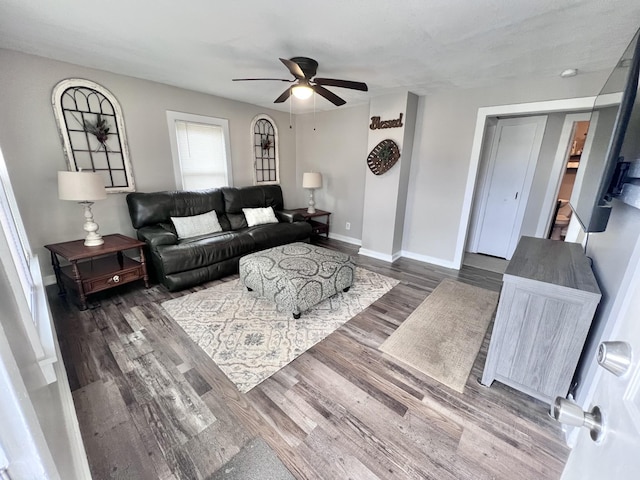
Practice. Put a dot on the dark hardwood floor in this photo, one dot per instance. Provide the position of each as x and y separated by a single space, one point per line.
151 404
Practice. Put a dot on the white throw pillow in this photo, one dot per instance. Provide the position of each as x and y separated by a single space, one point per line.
196 225
259 216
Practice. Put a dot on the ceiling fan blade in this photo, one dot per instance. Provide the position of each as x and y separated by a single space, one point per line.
246 79
294 68
332 97
286 94
332 82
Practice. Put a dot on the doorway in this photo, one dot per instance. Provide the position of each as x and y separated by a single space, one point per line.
483 119
562 213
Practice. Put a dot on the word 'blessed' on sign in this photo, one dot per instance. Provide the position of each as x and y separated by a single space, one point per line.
376 123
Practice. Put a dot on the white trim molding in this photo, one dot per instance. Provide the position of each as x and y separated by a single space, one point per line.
380 256
345 239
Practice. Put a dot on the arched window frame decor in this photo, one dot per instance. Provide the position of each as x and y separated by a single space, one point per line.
78 105
263 130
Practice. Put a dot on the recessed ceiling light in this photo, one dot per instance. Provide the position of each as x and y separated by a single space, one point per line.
569 72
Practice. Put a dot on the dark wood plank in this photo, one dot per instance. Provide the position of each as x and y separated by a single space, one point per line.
343 409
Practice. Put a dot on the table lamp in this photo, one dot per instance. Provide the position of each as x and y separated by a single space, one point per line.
311 180
84 188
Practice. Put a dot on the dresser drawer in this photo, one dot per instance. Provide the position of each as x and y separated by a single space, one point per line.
107 281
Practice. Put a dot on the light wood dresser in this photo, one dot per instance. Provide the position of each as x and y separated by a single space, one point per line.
548 299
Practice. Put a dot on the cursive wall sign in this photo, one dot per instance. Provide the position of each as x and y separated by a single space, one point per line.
376 123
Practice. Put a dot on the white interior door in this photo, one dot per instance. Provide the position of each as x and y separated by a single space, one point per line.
512 164
618 455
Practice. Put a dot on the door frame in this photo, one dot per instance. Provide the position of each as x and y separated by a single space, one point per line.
541 121
557 171
484 113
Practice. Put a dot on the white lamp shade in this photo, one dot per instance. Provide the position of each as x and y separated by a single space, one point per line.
81 186
311 180
302 91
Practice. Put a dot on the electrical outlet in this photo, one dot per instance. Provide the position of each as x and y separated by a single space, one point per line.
348 226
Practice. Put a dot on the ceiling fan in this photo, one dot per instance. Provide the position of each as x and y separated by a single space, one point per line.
304 70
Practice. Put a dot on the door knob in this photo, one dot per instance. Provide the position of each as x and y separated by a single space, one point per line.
615 357
570 413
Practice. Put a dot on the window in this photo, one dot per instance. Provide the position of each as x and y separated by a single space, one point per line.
92 131
24 277
200 149
264 139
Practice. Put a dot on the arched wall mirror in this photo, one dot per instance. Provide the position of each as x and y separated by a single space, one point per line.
264 138
92 132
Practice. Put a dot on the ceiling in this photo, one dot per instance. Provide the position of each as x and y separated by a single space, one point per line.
417 45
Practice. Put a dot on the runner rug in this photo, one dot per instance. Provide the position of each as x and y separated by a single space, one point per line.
443 336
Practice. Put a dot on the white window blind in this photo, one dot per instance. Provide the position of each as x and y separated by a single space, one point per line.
200 151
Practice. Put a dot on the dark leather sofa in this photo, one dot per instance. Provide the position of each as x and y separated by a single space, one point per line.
181 263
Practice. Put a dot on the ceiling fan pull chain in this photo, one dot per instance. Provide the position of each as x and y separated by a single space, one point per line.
290 102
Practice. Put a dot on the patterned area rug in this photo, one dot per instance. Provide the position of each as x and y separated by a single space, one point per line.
251 338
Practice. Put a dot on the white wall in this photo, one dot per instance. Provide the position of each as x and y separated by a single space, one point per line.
338 149
612 254
33 151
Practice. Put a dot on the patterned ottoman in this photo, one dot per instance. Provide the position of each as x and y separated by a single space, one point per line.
297 276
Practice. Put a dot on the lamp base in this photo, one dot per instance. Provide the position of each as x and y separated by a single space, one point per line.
93 241
93 238
312 203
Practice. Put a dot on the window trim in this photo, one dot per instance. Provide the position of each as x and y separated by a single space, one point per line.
276 147
25 278
172 117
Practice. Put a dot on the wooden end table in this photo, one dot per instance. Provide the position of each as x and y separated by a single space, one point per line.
318 227
93 269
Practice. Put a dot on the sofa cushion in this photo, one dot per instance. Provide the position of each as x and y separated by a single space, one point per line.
259 216
206 250
274 234
195 225
235 199
159 207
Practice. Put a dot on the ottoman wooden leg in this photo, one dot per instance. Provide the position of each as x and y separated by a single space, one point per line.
296 315
346 289
249 289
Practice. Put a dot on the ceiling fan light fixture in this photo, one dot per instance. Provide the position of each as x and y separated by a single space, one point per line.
302 91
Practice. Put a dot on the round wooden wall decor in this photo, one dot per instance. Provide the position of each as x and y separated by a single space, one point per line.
383 156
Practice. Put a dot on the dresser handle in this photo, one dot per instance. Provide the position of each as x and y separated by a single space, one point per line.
115 279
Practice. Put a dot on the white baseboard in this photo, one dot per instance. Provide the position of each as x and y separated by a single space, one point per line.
432 260
49 280
343 238
380 256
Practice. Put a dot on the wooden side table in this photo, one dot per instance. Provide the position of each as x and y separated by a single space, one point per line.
93 269
318 227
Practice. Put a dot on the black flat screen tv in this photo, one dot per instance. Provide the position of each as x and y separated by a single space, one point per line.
611 142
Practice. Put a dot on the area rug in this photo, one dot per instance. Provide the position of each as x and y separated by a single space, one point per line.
251 338
443 336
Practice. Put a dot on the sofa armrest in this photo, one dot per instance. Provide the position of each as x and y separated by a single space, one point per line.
156 235
289 216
